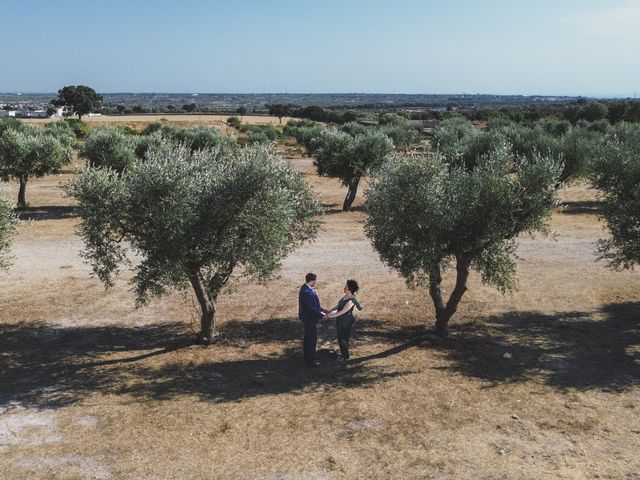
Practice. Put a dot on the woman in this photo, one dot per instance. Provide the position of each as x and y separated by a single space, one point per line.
343 313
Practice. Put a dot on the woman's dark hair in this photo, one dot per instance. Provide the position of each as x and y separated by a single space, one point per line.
352 285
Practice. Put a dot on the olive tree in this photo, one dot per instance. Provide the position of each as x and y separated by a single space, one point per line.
110 148
30 152
8 225
194 218
308 136
617 174
576 145
199 137
339 155
63 132
450 132
426 214
403 135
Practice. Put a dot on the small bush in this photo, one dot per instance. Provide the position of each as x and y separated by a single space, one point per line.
80 128
152 128
128 129
234 122
254 138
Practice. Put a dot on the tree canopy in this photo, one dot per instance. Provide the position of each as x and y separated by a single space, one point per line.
576 146
30 151
617 174
109 147
339 155
279 110
194 218
426 213
80 98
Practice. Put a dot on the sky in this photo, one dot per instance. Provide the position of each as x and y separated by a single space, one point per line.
541 47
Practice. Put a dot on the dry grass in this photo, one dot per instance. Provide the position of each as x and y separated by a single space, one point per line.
140 121
92 388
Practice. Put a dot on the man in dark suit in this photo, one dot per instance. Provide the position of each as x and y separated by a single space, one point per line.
310 311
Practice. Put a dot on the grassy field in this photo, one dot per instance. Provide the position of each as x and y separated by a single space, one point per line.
93 388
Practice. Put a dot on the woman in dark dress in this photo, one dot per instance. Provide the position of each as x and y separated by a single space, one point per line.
343 313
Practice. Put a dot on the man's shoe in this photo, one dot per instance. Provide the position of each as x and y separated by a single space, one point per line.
314 364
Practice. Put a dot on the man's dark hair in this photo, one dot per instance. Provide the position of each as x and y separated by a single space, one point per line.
352 285
310 277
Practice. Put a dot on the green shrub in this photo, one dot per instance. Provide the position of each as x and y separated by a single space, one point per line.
234 122
151 128
129 130
80 128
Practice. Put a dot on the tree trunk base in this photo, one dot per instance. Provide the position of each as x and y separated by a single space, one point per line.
442 329
206 339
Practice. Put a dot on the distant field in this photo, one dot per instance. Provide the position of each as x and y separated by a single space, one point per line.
139 121
93 388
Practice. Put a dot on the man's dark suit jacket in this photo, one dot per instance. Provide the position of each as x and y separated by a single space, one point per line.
308 304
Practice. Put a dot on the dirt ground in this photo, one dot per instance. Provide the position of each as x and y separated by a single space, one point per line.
93 388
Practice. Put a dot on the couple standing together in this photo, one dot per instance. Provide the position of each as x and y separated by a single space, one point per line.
310 311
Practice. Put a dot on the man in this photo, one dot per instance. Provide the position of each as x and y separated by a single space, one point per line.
310 311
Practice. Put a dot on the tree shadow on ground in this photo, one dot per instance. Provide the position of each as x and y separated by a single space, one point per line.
580 207
334 208
596 350
279 330
42 364
48 366
48 212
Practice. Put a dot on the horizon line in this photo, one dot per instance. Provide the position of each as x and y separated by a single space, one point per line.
192 93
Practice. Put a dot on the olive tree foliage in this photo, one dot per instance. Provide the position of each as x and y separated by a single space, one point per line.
426 214
308 137
403 135
8 225
354 128
198 138
194 219
116 149
31 151
109 147
145 143
63 132
399 129
391 119
617 174
339 155
576 146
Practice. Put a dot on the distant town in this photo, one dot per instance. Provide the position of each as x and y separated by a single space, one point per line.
38 105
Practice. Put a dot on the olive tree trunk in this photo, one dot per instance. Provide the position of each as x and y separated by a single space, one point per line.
22 193
208 310
351 195
444 312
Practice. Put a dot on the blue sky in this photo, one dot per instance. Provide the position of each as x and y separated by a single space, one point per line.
561 47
